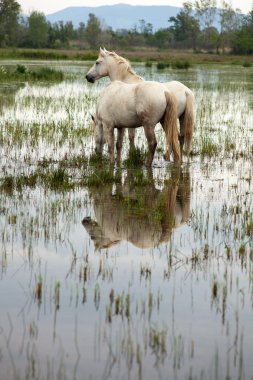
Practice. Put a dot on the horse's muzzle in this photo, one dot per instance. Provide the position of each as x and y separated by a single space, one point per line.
90 78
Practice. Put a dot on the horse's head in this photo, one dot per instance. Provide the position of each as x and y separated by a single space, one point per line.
98 134
100 68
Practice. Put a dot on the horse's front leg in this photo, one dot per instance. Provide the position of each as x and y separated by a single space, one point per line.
152 143
109 135
131 136
119 142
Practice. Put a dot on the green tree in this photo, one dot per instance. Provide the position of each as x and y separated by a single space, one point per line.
185 27
37 34
9 14
22 32
145 28
93 31
210 38
81 31
162 38
60 34
205 13
66 32
243 39
229 23
53 34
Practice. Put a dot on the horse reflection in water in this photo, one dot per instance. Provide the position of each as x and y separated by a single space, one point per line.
144 216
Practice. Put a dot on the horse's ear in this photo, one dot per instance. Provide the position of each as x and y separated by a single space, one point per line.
102 52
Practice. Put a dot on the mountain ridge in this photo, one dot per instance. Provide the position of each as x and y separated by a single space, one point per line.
118 16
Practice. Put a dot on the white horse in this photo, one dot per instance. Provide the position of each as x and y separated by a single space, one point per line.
122 105
118 68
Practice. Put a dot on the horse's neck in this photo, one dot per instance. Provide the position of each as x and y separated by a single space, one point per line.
125 76
132 78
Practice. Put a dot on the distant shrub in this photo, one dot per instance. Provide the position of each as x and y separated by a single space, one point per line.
3 72
21 69
41 54
21 73
162 65
46 73
246 64
148 64
180 65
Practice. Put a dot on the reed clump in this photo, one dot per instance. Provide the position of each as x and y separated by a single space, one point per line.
21 73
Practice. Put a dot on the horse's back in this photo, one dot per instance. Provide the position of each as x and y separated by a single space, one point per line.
150 100
181 92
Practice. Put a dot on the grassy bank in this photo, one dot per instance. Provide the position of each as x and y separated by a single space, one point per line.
141 55
21 73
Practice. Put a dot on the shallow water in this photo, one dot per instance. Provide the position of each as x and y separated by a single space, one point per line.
146 276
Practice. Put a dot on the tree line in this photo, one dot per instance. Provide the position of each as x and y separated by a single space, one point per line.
200 25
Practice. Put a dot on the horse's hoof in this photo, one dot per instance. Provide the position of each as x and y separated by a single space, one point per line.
166 157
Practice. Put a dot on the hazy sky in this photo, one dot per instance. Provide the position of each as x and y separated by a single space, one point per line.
49 6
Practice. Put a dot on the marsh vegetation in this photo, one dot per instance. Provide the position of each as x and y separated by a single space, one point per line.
123 272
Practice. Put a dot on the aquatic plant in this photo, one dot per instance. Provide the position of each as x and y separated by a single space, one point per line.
22 73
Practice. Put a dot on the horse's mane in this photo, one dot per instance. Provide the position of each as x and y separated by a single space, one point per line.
124 62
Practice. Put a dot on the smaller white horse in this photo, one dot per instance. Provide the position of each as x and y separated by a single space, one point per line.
118 68
123 105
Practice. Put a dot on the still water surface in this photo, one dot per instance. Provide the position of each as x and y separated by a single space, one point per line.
147 277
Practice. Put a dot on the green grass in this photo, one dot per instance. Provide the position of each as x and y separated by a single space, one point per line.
148 64
182 65
247 64
162 65
21 73
208 148
177 64
136 158
133 54
47 74
47 54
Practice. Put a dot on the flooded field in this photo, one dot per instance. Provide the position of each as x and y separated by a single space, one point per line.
125 273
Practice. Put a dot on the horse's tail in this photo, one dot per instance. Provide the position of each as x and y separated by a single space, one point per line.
170 127
187 121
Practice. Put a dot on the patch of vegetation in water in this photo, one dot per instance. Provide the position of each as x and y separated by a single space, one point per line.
208 148
65 174
162 65
136 158
181 65
101 173
246 64
22 73
54 179
148 64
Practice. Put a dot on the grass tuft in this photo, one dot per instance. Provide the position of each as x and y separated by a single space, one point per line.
136 158
21 73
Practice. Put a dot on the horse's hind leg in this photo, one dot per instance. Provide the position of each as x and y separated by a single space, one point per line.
181 134
152 143
131 136
168 150
119 142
